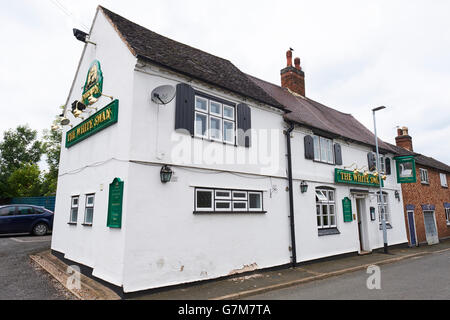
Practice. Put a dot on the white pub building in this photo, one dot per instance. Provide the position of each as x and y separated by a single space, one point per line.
178 167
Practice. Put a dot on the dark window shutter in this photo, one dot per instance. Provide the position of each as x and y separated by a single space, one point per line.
388 165
184 114
244 125
371 161
309 147
337 154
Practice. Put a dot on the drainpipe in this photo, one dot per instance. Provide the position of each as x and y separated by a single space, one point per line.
291 194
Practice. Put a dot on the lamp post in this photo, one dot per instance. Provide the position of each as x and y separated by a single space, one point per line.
380 207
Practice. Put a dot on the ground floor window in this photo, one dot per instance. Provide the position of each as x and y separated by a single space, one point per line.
228 200
89 210
74 209
447 215
383 207
325 208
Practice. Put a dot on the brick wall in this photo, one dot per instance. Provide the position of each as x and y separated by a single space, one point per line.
417 194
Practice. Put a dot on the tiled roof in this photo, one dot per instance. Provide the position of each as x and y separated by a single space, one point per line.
312 114
195 63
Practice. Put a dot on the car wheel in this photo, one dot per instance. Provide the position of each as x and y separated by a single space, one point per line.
40 229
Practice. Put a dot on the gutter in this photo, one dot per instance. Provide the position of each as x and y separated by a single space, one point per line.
291 194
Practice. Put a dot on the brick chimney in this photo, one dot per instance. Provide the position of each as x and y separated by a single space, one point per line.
293 78
403 139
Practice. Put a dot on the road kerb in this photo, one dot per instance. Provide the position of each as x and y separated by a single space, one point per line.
283 285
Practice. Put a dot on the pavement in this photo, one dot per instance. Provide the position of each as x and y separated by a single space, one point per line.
19 278
260 282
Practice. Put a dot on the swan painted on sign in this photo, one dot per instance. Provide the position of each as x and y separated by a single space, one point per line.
405 172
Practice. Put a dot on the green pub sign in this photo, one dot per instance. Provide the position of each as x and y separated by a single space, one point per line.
115 204
347 208
346 176
100 120
406 169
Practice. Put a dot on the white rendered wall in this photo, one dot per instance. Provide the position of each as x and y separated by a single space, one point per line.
91 165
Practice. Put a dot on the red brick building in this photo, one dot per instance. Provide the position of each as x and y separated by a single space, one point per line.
427 201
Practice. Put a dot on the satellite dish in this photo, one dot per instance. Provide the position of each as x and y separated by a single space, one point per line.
163 94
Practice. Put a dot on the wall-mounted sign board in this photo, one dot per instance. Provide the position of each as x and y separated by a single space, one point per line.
115 204
93 87
100 120
349 177
406 169
347 209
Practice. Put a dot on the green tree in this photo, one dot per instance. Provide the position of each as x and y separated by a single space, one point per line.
20 146
25 181
52 149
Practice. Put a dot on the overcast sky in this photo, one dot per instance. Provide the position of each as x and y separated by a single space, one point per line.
356 54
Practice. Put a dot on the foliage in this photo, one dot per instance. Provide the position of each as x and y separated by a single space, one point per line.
25 181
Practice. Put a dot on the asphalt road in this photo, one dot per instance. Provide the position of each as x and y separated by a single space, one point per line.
421 278
19 278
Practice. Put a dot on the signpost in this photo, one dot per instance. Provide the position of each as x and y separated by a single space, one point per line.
115 204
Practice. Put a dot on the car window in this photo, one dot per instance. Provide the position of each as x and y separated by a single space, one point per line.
7 211
25 210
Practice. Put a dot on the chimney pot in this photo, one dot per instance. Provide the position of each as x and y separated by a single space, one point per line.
289 58
297 64
403 139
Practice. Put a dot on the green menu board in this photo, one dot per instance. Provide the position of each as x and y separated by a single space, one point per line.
347 208
115 204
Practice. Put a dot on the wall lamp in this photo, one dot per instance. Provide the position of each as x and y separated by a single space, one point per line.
166 174
82 36
397 195
304 187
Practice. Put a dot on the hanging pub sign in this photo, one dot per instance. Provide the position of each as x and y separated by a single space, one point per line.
347 209
346 176
100 120
93 87
115 204
406 169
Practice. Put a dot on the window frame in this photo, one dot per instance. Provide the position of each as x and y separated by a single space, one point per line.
447 215
328 150
73 206
89 206
231 199
320 204
385 204
444 180
424 172
210 115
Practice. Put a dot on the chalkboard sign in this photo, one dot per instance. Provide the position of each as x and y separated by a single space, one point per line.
115 204
347 208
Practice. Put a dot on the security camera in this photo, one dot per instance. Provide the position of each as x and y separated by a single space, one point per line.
82 36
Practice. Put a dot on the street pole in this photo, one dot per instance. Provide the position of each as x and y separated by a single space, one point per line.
381 205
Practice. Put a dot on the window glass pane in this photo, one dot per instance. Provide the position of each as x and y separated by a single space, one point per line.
75 202
223 194
240 205
321 196
331 195
90 200
323 149
330 152
204 199
221 205
216 128
201 104
228 131
325 221
316 148
319 221
73 215
228 112
7 211
332 221
89 215
24 210
216 108
255 200
318 210
200 124
239 195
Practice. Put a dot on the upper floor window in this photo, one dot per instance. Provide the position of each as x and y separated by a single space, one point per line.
323 150
214 120
382 164
443 177
424 176
383 207
325 208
